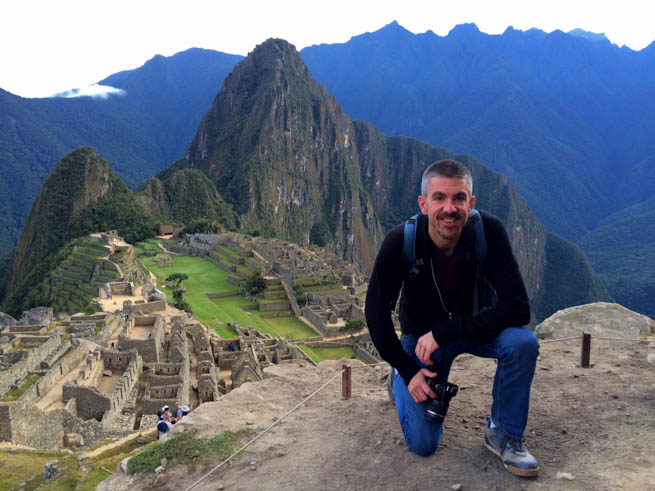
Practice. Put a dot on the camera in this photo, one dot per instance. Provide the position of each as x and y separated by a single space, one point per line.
436 409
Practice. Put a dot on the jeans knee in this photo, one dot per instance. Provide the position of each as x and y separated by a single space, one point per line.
423 447
425 442
527 345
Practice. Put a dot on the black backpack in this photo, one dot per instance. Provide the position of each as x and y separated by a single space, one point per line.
413 262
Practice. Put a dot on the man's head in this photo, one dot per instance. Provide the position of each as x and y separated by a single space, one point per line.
446 168
446 198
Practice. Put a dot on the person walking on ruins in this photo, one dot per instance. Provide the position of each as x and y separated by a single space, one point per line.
462 292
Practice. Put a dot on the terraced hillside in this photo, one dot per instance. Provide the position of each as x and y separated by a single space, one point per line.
91 264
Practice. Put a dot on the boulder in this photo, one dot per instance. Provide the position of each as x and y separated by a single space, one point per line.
6 320
41 316
73 440
600 319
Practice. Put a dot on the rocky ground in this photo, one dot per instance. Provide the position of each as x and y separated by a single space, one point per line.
596 425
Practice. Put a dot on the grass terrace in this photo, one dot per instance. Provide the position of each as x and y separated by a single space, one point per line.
18 467
206 277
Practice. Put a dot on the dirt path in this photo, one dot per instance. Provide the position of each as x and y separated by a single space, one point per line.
595 424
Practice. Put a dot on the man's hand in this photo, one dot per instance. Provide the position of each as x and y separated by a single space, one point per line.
419 388
425 347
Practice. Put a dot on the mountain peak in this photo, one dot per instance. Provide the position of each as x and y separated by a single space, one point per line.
466 30
592 36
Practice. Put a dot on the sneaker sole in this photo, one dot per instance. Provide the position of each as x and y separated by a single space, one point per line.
517 471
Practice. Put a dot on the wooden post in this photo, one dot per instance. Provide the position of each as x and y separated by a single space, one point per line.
586 349
346 381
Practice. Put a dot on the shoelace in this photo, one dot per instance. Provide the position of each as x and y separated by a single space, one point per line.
516 444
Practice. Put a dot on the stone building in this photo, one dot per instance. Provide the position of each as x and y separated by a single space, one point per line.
103 387
145 334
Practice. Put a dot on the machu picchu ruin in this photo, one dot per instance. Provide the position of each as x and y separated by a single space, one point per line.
111 350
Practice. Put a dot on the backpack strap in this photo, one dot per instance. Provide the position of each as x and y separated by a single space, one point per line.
409 248
480 253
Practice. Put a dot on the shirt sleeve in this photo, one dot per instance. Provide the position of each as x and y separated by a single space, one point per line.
512 308
381 297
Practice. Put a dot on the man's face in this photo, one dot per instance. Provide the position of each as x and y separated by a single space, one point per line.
447 204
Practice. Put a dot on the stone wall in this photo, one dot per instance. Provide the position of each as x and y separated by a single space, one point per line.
149 349
222 295
268 307
156 397
146 307
119 396
319 323
18 329
23 423
30 363
54 374
92 403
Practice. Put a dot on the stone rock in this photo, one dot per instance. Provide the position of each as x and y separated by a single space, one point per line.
37 316
51 470
123 465
73 440
565 475
651 358
159 470
6 320
107 373
600 319
164 462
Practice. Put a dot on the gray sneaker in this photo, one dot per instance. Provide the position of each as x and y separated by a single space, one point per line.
511 451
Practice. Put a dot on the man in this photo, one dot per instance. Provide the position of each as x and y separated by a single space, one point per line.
437 318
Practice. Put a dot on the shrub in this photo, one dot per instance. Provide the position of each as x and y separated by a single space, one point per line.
353 326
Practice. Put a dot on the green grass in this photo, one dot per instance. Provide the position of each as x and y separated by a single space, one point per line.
185 448
18 467
206 277
13 394
148 245
24 466
230 309
319 354
225 250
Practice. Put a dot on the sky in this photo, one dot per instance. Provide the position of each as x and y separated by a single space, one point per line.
50 46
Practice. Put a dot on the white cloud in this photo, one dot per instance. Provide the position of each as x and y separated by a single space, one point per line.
95 90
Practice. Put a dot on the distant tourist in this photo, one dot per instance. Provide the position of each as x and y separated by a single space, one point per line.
178 412
460 291
163 427
232 347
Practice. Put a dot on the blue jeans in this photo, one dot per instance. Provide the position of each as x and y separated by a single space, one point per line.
516 350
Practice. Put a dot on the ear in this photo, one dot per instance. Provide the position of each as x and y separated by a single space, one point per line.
471 204
422 204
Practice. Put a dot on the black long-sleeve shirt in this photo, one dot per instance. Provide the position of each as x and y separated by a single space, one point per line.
421 309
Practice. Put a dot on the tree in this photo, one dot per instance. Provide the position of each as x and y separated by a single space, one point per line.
353 326
255 284
177 279
178 290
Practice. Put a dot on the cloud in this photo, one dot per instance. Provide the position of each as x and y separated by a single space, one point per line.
95 90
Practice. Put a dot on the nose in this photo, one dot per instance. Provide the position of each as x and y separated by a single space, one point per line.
449 206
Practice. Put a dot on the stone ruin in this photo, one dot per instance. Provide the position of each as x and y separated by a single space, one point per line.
326 309
102 388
